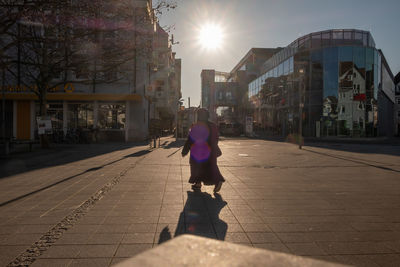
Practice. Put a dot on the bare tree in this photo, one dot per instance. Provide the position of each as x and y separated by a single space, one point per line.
48 44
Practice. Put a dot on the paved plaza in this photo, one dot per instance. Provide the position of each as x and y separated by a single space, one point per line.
96 205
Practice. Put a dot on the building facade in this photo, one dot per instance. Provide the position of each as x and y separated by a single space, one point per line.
99 91
229 89
397 104
335 82
165 89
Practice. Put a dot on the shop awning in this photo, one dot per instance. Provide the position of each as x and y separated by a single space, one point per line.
75 97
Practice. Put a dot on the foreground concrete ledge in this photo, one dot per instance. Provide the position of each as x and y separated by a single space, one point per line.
189 250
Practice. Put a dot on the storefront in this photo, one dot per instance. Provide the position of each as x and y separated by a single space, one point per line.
117 117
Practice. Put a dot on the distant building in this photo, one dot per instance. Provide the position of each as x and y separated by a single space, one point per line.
342 82
229 89
397 104
186 118
339 76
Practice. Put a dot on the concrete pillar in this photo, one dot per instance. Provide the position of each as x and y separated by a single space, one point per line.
65 117
95 114
15 110
33 120
127 120
137 120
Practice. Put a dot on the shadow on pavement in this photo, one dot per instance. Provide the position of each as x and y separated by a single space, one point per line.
200 216
137 154
385 149
174 144
355 160
60 155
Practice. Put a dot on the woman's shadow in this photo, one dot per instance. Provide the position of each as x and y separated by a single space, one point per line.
200 216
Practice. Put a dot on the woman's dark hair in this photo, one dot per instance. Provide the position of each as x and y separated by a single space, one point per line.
202 114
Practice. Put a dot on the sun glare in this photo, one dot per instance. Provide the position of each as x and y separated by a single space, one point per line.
210 36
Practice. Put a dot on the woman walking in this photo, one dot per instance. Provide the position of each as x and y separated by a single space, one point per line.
202 143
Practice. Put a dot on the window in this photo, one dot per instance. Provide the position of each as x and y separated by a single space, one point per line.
347 35
337 35
286 67
112 116
398 100
326 38
316 40
80 115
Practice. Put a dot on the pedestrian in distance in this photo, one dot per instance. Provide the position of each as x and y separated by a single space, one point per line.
202 142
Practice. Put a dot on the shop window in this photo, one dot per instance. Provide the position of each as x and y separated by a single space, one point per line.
111 116
80 115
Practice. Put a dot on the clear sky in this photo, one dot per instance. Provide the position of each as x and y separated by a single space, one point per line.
272 23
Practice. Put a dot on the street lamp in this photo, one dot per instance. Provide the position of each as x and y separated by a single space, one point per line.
301 105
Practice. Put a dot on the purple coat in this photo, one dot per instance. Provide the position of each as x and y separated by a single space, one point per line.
202 143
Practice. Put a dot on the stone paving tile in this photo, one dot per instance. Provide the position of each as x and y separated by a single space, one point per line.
389 260
305 249
105 238
51 262
255 227
262 237
8 253
117 260
130 250
323 227
95 262
61 252
91 220
278 247
356 260
138 238
168 220
295 237
373 226
83 228
74 239
97 251
354 248
112 228
18 239
142 228
235 238
393 245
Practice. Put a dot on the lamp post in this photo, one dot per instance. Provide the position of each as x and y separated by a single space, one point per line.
301 105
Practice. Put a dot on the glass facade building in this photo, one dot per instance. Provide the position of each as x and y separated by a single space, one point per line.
335 75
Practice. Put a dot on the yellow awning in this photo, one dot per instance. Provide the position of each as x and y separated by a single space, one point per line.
75 97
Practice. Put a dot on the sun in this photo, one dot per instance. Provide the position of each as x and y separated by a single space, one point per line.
210 36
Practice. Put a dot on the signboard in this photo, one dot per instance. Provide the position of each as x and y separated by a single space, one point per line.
249 125
44 125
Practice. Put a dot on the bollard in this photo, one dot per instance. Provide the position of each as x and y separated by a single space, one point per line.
154 142
159 141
